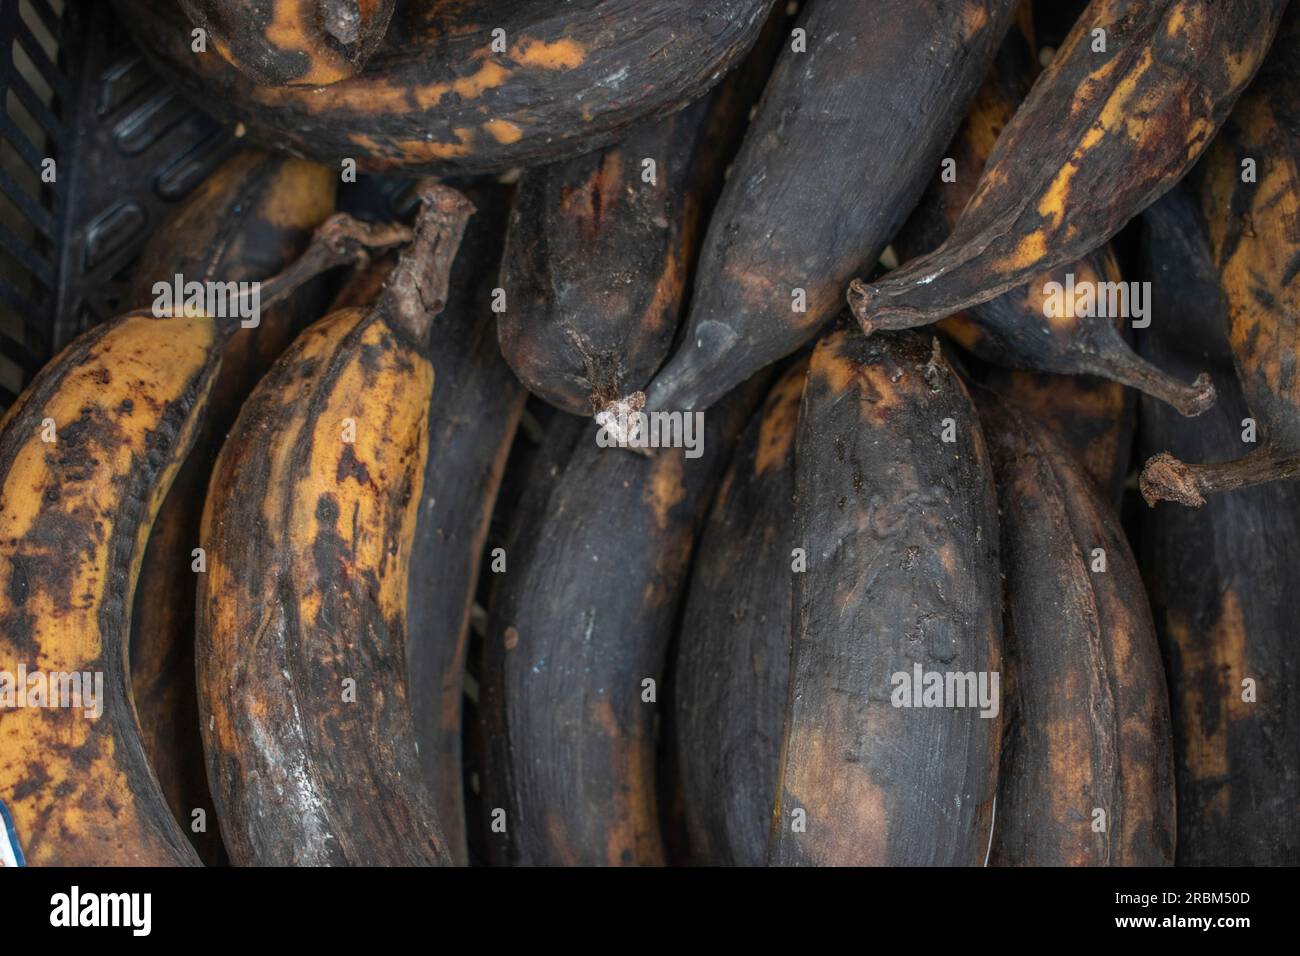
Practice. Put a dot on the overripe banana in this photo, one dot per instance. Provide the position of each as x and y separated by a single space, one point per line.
1224 584
578 634
893 720
87 455
1250 201
476 87
733 647
1087 776
247 221
1019 328
1131 99
475 410
633 212
302 616
851 126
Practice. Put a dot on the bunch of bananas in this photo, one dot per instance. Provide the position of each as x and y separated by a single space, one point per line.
280 540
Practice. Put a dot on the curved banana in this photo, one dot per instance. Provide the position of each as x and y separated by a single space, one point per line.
475 87
87 455
1131 99
120 404
308 529
1250 223
249 219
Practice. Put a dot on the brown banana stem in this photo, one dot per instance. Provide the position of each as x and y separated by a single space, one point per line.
340 240
1191 399
1165 478
416 289
864 304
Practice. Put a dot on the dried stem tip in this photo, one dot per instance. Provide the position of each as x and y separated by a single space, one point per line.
340 240
416 290
1165 478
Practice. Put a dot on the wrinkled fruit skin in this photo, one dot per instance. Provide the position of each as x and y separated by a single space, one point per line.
1088 724
1100 137
439 100
886 507
309 539
75 514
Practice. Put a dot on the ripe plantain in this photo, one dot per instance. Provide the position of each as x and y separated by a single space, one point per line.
477 403
476 87
840 149
293 42
733 647
1087 724
1224 582
309 527
247 221
87 455
1101 136
74 517
1255 247
1014 329
900 528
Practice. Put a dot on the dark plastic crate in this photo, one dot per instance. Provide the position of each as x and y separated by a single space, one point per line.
125 147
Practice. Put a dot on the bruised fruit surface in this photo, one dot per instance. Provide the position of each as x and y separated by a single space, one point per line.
1103 134
475 87
901 533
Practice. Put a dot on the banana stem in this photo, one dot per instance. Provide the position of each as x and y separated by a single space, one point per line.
1165 478
416 290
1190 399
340 240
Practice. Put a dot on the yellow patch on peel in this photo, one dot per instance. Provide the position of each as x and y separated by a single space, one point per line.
368 93
504 131
292 29
848 822
302 196
633 835
832 368
418 149
974 18
1028 251
666 489
388 451
554 55
1177 21
1118 106
1052 206
776 431
962 330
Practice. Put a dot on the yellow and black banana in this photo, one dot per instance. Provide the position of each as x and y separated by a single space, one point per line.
1131 99
248 220
474 87
87 455
1249 189
302 616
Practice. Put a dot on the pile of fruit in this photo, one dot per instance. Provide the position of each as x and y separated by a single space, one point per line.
817 433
